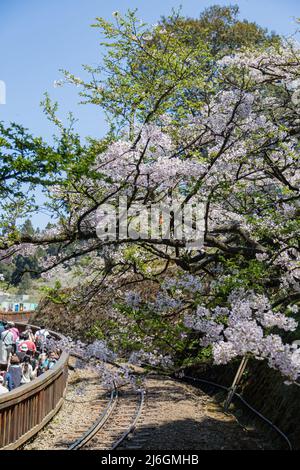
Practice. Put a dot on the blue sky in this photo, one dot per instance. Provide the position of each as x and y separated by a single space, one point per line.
37 38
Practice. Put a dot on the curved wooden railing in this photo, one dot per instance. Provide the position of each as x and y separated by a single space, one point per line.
25 410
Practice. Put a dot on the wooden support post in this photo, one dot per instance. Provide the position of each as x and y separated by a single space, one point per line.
235 382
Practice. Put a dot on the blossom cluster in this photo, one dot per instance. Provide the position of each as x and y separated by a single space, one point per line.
98 356
153 358
186 282
244 329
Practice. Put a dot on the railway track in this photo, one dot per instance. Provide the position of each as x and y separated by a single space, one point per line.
117 421
91 418
173 416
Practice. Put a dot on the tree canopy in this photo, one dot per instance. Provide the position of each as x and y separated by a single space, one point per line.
204 111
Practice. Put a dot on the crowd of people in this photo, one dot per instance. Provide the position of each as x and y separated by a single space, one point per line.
24 355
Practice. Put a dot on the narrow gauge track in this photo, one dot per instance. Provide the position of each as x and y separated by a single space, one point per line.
175 414
88 401
91 417
116 422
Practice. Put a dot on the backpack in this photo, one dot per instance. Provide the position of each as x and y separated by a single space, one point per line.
41 335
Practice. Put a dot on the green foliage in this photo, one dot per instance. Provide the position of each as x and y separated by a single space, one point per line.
96 331
141 78
55 294
239 273
221 28
25 159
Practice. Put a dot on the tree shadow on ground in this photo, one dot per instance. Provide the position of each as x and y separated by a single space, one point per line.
189 434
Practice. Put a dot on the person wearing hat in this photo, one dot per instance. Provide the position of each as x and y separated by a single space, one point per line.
22 350
3 389
26 345
30 345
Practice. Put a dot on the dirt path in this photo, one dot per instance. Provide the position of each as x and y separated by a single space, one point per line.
178 417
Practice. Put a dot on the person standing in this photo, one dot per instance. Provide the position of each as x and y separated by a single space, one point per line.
15 371
27 371
41 337
9 337
3 389
6 342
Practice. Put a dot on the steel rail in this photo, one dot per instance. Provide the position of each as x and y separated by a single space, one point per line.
102 420
134 423
98 424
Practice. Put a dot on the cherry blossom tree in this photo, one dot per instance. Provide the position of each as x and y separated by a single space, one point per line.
234 148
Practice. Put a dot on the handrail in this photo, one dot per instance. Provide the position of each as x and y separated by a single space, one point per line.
27 409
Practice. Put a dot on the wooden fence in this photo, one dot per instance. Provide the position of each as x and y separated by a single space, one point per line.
16 316
25 410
